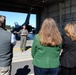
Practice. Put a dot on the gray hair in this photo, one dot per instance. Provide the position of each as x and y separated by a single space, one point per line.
1 20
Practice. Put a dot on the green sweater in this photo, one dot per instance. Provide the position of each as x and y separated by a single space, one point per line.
45 56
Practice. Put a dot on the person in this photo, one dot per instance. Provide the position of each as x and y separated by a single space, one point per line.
46 49
68 56
7 41
24 33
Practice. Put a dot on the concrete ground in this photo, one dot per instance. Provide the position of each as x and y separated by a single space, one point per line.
22 62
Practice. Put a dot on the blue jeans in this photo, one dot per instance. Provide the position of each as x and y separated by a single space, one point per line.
46 71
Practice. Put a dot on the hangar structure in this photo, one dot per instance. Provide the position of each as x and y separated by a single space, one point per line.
63 11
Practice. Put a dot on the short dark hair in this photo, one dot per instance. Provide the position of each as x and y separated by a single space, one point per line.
2 21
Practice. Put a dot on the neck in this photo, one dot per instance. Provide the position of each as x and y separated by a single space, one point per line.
23 29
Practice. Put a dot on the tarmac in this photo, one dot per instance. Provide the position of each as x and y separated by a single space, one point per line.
22 61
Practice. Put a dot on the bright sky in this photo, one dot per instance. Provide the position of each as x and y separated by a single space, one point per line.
12 17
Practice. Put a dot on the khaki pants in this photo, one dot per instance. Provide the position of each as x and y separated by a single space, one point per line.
5 70
23 43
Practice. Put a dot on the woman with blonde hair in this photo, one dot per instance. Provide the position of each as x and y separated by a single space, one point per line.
46 49
68 57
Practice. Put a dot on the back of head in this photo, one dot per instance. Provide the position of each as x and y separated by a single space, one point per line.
49 33
2 20
70 30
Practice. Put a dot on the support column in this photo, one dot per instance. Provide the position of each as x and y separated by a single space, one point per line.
71 10
60 16
38 17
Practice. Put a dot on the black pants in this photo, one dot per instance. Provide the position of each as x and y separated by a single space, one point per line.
68 71
45 71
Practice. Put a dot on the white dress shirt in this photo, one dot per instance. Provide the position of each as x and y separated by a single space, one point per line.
13 39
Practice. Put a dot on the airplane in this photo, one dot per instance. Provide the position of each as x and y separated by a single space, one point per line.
18 27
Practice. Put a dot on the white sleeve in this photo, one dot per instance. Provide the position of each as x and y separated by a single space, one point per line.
13 39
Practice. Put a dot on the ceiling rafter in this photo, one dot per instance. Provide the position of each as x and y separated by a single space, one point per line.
26 5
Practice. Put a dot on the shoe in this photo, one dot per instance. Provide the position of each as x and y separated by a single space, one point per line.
21 51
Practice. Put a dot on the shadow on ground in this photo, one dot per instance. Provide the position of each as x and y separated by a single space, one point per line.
23 71
27 47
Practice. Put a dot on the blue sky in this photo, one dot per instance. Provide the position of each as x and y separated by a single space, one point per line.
12 17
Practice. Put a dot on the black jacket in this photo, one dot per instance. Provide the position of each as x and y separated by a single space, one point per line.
68 57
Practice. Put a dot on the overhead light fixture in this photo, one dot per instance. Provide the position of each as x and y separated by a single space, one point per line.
43 1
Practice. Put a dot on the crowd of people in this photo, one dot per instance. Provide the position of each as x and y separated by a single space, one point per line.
46 49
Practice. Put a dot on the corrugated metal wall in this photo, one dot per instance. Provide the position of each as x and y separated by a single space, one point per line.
63 13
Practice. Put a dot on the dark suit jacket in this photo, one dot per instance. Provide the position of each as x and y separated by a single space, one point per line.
68 57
